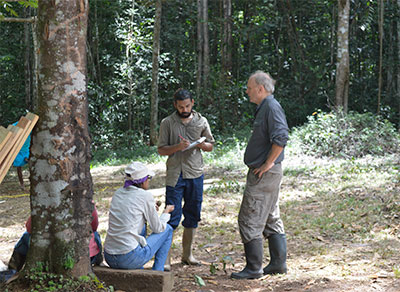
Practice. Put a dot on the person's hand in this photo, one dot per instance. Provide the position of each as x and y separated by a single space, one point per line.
158 204
201 145
263 169
169 208
184 143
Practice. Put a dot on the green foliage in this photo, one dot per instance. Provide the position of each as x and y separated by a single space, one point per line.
139 152
269 35
199 281
396 271
69 263
345 135
42 281
10 10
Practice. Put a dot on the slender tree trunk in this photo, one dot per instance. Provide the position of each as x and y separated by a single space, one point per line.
381 13
27 61
203 52
398 59
96 44
61 184
227 40
343 64
154 81
200 52
206 46
131 81
35 65
332 41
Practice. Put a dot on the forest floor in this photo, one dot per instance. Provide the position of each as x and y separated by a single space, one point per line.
342 220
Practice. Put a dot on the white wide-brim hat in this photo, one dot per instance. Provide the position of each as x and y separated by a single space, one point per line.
138 170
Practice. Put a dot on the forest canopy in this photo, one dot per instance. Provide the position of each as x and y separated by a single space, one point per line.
296 44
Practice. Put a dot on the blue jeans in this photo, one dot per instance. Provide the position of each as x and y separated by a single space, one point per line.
23 243
158 245
191 190
22 246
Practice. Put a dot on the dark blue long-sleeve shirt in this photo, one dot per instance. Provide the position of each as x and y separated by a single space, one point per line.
269 127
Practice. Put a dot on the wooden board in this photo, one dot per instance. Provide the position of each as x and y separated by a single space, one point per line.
26 125
4 136
16 133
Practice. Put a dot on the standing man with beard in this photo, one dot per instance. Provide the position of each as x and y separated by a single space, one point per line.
259 214
184 167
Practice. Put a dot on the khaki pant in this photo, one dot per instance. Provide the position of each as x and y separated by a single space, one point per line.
259 211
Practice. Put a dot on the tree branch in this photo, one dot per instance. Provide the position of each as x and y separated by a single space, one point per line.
15 19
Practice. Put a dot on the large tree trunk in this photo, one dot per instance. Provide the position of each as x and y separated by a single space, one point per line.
61 184
343 63
154 80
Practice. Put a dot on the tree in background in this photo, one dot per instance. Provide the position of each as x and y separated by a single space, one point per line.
381 9
154 78
203 51
398 59
343 62
296 44
61 184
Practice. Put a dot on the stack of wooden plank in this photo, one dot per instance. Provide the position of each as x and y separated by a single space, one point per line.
12 139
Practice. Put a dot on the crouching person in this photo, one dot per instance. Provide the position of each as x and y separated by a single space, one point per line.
132 206
20 251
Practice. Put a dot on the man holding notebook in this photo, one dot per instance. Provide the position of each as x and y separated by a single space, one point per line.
181 138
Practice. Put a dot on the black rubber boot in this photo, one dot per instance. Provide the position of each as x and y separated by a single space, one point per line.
17 261
254 258
277 253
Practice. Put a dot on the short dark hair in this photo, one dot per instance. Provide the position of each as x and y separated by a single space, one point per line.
182 94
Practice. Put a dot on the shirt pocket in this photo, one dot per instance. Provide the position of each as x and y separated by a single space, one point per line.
194 132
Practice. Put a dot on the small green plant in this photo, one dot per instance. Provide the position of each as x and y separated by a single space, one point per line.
199 281
396 271
69 262
41 279
213 269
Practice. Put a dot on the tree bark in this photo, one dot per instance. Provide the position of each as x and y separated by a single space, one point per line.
61 183
131 81
398 58
203 52
343 64
227 40
380 24
206 47
200 52
27 62
154 80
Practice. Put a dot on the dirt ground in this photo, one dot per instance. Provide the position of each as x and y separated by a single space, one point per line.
333 266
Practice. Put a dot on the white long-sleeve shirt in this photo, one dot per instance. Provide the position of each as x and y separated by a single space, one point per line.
130 208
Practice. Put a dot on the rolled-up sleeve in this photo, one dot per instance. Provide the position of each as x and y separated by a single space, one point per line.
277 126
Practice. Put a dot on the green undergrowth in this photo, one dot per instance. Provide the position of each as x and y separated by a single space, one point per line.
112 157
336 134
39 279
